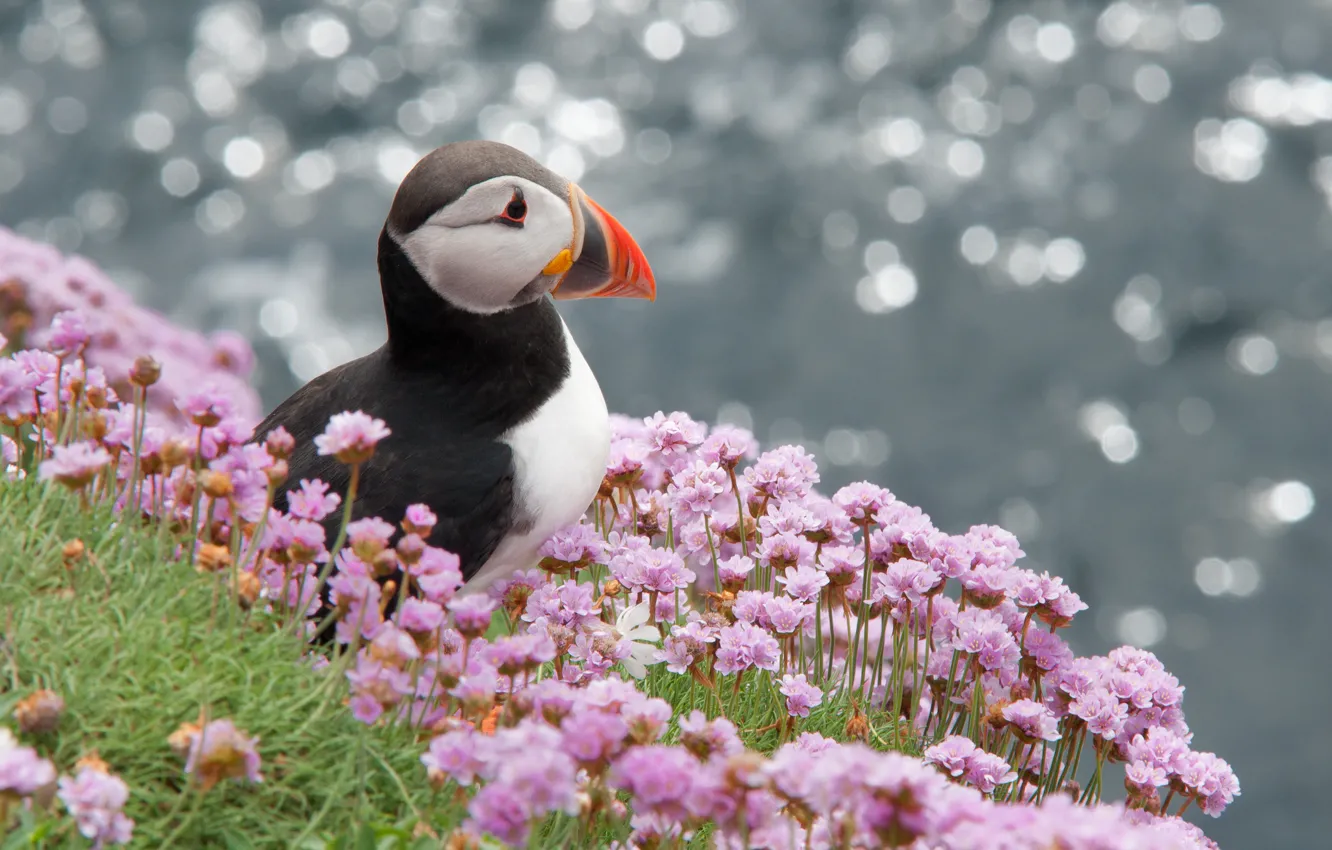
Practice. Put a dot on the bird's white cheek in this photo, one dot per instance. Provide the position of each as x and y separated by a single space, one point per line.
479 268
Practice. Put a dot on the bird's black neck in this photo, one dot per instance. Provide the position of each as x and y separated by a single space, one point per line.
522 348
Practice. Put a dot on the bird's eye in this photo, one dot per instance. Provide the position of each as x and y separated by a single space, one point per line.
515 211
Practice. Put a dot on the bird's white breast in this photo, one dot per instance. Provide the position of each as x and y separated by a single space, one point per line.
560 455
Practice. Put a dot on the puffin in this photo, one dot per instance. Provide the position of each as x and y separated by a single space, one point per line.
496 421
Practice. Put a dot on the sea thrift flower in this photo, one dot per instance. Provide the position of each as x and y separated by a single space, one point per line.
727 445
206 407
351 437
95 798
571 549
862 500
842 564
75 465
593 737
695 488
786 472
800 695
22 771
218 751
984 634
784 550
569 604
734 571
624 465
786 615
312 501
68 333
744 645
803 582
421 616
673 435
685 646
987 771
453 755
952 755
418 519
472 614
660 779
1031 721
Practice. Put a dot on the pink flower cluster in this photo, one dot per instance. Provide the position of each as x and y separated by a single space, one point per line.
94 797
700 558
38 283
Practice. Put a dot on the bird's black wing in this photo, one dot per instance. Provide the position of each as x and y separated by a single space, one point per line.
465 478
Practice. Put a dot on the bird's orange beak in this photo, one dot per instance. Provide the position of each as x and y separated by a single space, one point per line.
607 262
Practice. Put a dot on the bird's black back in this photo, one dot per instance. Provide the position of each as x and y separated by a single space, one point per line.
448 383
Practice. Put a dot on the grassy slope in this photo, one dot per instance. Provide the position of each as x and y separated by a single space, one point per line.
127 638
132 652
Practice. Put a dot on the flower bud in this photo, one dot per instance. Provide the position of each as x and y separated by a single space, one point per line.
247 589
216 484
72 551
213 557
277 473
410 549
176 453
96 426
145 372
612 588
857 728
279 443
384 563
39 712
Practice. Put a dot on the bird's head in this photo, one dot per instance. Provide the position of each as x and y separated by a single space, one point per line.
488 228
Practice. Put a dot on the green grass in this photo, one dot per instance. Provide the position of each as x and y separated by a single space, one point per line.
129 638
126 639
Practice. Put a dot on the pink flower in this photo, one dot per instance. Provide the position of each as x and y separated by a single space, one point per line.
800 695
219 751
472 614
205 407
742 646
95 799
694 488
952 755
75 465
22 771
987 771
68 333
673 435
727 445
734 571
419 519
312 501
786 472
351 437
1031 721
454 755
862 500
571 549
803 582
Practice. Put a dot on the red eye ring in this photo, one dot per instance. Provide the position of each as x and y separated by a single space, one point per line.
516 210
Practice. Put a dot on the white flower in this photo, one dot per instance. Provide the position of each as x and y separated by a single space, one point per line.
633 629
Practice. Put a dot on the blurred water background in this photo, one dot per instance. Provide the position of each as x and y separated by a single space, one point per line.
1060 266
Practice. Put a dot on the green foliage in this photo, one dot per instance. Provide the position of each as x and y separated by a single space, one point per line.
137 643
130 640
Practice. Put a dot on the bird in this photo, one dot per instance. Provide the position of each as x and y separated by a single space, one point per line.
496 421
